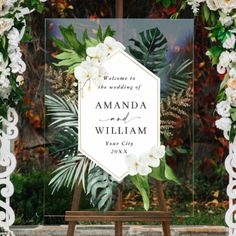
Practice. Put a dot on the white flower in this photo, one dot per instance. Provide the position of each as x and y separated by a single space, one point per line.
14 37
225 5
232 73
231 96
112 44
5 87
90 71
137 165
226 20
86 71
229 43
233 56
223 108
18 66
224 62
3 64
154 156
224 124
97 54
213 4
14 53
5 25
20 80
100 77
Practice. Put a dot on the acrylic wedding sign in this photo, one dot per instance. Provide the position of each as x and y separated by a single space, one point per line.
121 116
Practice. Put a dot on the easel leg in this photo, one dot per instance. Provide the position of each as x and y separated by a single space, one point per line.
74 207
119 225
161 197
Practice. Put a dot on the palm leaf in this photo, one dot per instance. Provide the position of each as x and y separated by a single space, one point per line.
178 72
151 50
101 187
64 113
71 170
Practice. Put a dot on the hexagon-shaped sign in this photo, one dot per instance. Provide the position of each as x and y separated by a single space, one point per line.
121 116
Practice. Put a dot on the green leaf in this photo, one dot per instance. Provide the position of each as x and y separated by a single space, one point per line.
169 174
181 150
141 183
101 187
166 3
206 12
158 173
214 53
232 133
151 50
233 116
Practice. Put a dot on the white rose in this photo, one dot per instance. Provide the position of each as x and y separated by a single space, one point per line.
223 108
5 25
233 56
221 69
231 96
227 5
224 59
213 4
232 73
224 124
229 43
226 20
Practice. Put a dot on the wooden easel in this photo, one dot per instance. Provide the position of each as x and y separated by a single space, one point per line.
118 216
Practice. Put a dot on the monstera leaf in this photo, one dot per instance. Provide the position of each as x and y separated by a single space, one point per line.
151 50
101 187
65 143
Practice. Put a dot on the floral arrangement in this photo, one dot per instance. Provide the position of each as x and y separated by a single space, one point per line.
12 31
91 69
83 61
223 55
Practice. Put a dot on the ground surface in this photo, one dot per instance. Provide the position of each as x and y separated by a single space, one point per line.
108 230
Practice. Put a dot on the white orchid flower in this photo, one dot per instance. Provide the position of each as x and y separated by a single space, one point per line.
137 165
18 66
155 154
112 44
86 71
97 54
14 37
101 74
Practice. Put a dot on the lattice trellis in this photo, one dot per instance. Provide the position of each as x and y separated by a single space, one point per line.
7 166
